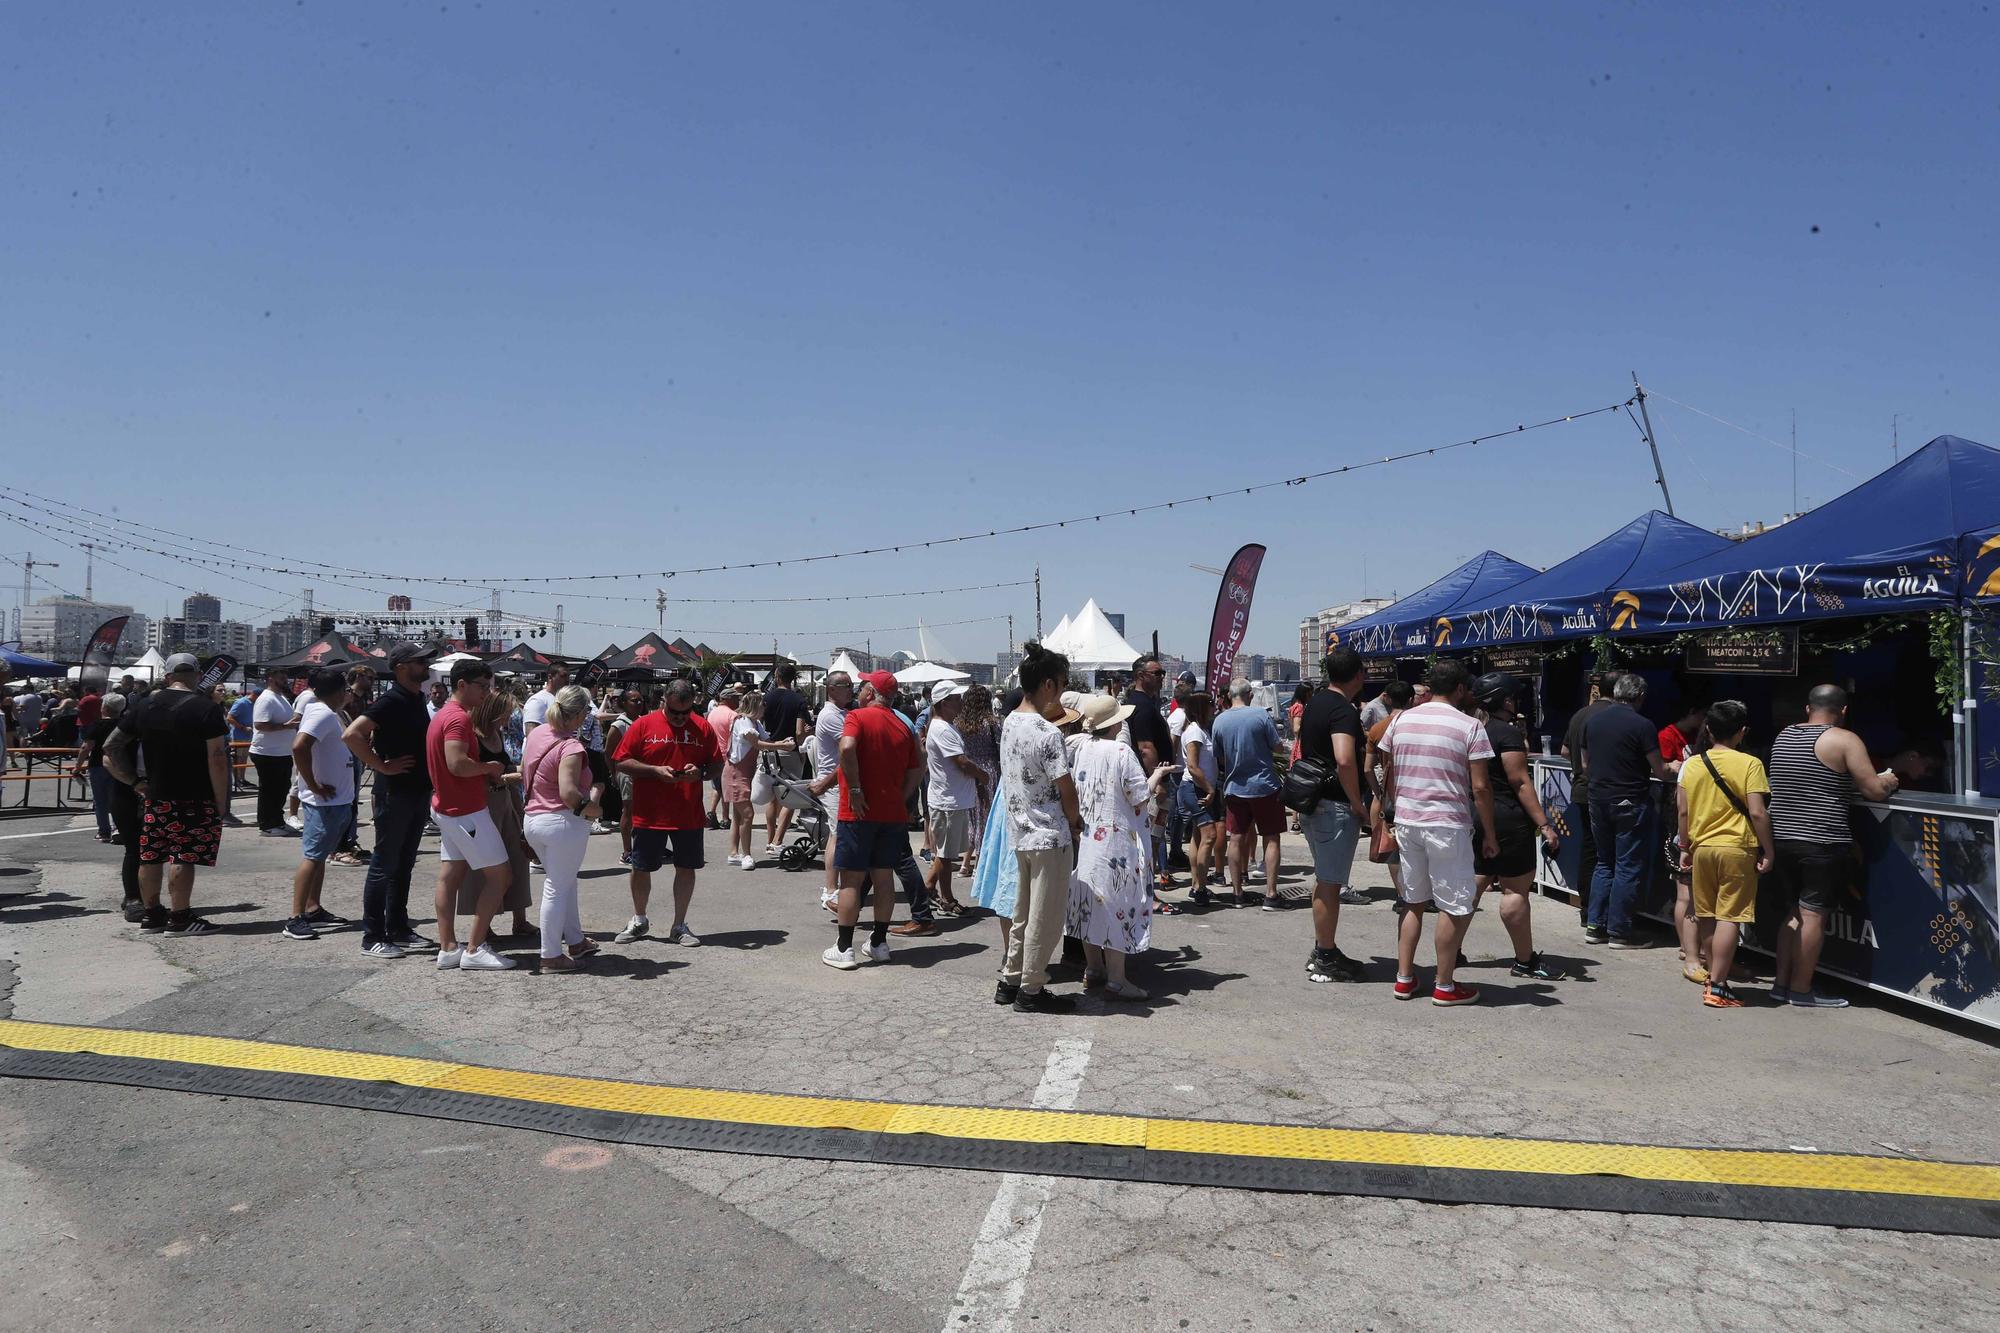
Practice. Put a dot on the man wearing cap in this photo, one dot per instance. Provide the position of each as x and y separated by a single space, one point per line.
468 839
389 739
879 772
184 740
957 787
274 726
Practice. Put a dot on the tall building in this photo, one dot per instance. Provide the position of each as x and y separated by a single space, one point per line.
202 606
280 638
1117 619
60 627
1005 665
205 638
1313 629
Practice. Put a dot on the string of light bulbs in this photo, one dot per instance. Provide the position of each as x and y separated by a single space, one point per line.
757 635
290 566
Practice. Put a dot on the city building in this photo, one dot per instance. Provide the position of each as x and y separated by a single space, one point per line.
1313 629
280 638
60 627
202 606
204 638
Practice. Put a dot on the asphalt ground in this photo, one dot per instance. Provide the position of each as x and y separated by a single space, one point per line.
124 1204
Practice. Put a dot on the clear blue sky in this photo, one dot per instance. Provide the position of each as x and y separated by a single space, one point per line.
569 287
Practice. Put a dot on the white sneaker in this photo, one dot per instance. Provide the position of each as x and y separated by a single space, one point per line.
635 929
296 821
682 935
450 958
1256 872
770 849
483 959
747 862
877 953
841 958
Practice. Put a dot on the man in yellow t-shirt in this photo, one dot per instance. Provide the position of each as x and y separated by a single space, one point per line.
1725 839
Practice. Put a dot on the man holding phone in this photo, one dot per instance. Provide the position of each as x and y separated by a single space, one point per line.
667 755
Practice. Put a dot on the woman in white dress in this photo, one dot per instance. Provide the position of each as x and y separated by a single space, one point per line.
1111 891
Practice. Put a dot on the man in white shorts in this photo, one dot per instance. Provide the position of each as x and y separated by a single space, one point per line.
1435 757
826 765
467 837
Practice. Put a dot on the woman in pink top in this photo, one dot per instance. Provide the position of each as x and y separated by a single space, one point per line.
561 805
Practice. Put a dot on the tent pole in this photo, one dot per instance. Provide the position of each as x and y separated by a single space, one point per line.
1968 709
1646 419
1038 603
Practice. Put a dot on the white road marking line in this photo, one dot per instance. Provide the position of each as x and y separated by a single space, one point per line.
46 833
990 1293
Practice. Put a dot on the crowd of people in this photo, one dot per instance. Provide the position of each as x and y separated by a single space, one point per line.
1063 811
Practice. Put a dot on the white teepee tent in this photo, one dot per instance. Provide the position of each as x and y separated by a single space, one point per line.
1094 644
1054 639
842 662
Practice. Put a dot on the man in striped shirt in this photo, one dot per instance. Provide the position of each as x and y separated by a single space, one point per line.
1436 779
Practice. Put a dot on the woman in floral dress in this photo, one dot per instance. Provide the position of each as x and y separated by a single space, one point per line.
1111 891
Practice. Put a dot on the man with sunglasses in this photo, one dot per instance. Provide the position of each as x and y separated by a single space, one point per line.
468 839
667 755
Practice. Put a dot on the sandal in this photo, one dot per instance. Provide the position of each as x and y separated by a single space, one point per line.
1161 907
1092 980
1124 991
585 949
1698 975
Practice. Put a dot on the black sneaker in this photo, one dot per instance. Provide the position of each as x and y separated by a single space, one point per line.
1596 934
188 924
1202 896
1005 992
134 910
1043 1002
300 928
1534 967
409 939
153 920
319 916
1332 965
1273 903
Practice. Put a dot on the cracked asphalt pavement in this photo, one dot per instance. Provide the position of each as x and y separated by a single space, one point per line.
120 1206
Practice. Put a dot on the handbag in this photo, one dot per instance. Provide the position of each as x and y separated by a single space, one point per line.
1382 844
1306 780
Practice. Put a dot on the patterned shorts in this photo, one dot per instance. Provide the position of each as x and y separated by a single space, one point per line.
180 833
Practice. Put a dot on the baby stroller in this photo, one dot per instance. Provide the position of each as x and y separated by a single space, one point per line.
806 838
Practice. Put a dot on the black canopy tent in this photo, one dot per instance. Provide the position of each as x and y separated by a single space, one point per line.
332 650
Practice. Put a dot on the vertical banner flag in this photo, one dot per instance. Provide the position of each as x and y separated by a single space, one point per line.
219 668
1232 615
97 655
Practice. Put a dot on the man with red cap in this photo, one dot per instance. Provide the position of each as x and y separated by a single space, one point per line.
879 772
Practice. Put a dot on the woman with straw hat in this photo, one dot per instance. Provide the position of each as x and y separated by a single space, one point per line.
1111 891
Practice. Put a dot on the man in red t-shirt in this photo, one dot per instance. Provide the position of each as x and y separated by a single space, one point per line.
667 755
468 839
1678 738
879 771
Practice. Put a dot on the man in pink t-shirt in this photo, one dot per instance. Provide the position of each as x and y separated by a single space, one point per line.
1435 762
468 839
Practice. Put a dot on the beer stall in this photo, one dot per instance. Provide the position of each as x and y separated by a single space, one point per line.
1891 590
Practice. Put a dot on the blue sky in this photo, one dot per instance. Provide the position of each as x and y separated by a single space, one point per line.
566 288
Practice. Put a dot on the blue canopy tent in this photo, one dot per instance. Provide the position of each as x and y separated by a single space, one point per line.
1407 626
1574 599
1894 544
23 665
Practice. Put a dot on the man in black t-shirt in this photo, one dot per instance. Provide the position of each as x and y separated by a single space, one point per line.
787 715
181 737
1622 750
389 739
1330 733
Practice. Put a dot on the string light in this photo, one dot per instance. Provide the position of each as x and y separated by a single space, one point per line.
319 569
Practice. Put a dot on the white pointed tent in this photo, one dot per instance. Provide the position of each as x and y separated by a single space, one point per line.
928 668
842 662
1092 643
1053 640
441 666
